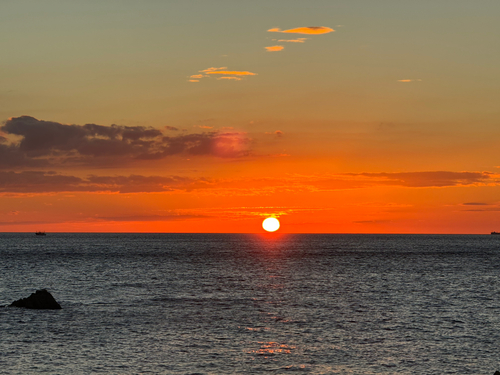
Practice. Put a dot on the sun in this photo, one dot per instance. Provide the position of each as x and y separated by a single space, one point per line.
271 224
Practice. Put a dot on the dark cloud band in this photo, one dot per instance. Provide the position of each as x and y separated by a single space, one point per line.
45 143
52 182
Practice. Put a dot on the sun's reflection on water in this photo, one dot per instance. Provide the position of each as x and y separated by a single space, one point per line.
271 348
271 263
271 245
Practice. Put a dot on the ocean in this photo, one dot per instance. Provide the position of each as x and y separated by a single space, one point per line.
251 304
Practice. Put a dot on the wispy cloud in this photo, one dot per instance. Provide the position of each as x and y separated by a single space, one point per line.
213 69
277 133
230 78
234 75
427 179
232 72
298 40
313 30
274 48
52 182
310 30
409 80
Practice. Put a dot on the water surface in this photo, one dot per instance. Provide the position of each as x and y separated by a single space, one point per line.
248 304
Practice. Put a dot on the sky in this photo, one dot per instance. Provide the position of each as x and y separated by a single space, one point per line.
338 116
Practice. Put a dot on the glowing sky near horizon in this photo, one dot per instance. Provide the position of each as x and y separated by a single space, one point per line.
333 116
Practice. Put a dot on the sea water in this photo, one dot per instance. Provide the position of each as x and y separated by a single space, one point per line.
250 304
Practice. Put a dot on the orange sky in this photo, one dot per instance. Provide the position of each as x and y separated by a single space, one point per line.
337 117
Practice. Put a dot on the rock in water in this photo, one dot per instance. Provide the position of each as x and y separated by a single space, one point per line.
41 299
497 373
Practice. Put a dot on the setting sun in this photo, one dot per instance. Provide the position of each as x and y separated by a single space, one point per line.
271 224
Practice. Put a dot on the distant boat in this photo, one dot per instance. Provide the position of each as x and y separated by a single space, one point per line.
495 232
40 233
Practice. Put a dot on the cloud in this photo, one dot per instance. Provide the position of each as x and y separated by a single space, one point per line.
431 179
409 80
44 137
485 210
162 215
475 204
298 40
51 182
277 133
196 77
11 156
274 48
45 143
33 181
304 30
143 184
173 216
224 145
232 75
230 78
213 69
311 30
232 72
427 179
230 144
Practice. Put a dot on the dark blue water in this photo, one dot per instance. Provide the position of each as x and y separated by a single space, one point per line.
246 304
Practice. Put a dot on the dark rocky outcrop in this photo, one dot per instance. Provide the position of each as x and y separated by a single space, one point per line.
41 299
497 373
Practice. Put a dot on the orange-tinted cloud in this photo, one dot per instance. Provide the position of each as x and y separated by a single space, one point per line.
232 72
313 30
231 78
298 40
231 75
409 80
196 77
213 69
274 48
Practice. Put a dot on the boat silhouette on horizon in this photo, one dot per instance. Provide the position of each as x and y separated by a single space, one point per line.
40 233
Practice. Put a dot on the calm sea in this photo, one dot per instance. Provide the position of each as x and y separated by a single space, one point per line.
249 304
